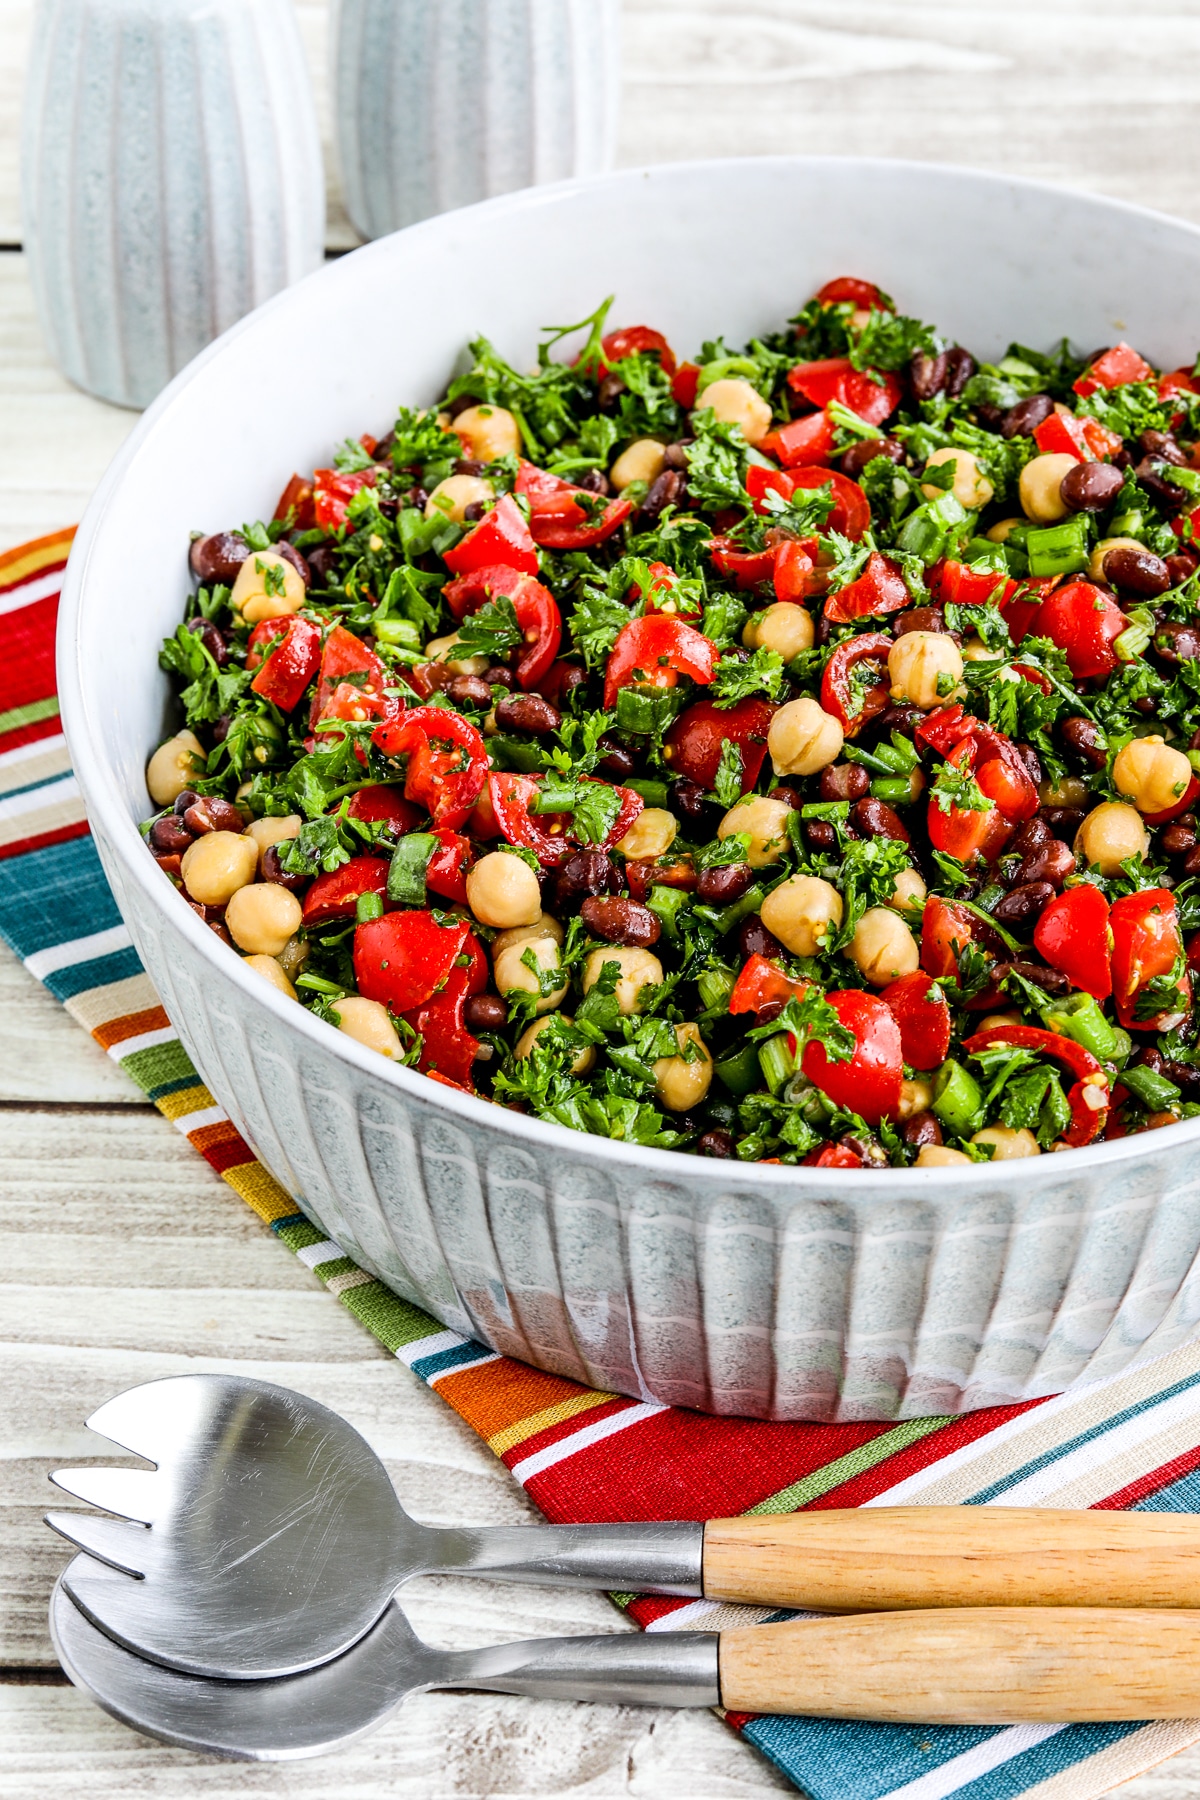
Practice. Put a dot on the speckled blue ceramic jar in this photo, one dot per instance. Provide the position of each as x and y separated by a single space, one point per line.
171 179
439 103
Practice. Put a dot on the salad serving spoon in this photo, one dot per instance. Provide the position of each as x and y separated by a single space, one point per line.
268 1539
969 1666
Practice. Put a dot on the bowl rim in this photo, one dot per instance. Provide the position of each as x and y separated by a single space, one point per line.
100 789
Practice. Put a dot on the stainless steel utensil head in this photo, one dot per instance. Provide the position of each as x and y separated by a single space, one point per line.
324 1708
274 1536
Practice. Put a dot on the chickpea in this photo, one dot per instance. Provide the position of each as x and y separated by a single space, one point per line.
272 974
262 917
915 1097
651 834
644 460
513 975
503 890
940 1156
908 892
268 586
680 1085
975 650
925 668
803 738
1151 773
368 1023
971 488
883 948
1109 834
174 766
217 865
764 822
801 912
452 497
441 650
488 433
544 926
1007 1144
1002 530
784 627
639 969
736 402
266 832
999 1018
1039 487
584 1060
1095 566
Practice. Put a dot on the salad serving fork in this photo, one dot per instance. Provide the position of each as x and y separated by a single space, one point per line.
268 1539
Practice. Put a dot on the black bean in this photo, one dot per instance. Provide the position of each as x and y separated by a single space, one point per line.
290 554
1149 473
170 835
922 1128
581 877
869 1150
960 366
620 921
460 404
819 834
990 417
498 677
1033 835
213 639
1135 571
559 681
218 557
609 392
1177 839
1090 486
928 374
1049 980
918 618
1086 739
1051 863
689 800
665 490
865 450
468 690
183 801
1176 641
724 884
1164 447
273 870
1023 419
1191 862
213 814
320 564
717 1143
595 481
675 455
1023 904
843 781
1180 566
1064 821
617 761
874 818
468 466
1033 765
755 940
474 512
901 718
485 1012
527 712
788 796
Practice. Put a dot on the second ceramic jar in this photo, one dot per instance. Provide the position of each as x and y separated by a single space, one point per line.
439 103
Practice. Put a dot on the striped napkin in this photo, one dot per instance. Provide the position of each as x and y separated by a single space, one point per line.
581 1455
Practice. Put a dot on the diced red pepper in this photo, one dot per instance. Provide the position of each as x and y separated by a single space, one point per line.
550 836
919 1008
1145 945
836 378
1089 1099
684 383
830 1156
345 655
535 606
859 293
663 594
562 516
1061 434
803 443
656 649
1178 381
946 930
380 804
1085 623
402 958
448 1049
501 537
837 696
1072 935
334 895
333 492
869 1084
695 741
447 761
761 983
879 589
290 666
1113 369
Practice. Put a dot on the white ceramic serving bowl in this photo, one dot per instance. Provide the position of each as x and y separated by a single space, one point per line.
775 1292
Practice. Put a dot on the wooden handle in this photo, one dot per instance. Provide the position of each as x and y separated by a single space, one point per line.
876 1559
977 1666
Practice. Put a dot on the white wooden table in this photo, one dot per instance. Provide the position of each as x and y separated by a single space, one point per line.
123 1257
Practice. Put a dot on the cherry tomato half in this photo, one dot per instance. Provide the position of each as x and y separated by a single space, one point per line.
1073 936
659 648
403 957
535 606
447 761
695 741
869 1083
549 835
1146 944
836 378
919 1008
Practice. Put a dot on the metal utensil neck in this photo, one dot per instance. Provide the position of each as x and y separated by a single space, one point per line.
644 1558
665 1669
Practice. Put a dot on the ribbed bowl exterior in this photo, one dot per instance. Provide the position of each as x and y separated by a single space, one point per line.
171 179
439 103
776 1292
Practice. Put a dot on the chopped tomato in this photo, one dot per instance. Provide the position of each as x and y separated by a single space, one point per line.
919 1008
402 958
263 635
1113 369
1085 623
551 836
632 340
1146 945
794 570
565 517
501 537
296 503
760 983
656 650
1061 434
1021 605
1072 934
869 1083
851 513
448 1049
955 584
334 894
333 492
879 589
946 930
447 761
663 594
946 728
535 606
836 378
346 656
695 741
843 693
830 1156
382 805
749 568
684 383
643 873
859 293
290 665
803 443
965 832
446 870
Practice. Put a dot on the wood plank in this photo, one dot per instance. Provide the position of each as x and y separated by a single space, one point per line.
45 1055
